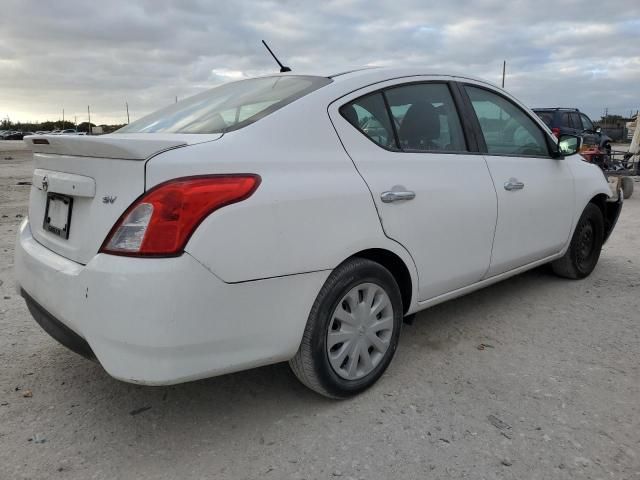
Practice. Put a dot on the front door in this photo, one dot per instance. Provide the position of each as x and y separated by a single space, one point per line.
535 192
432 194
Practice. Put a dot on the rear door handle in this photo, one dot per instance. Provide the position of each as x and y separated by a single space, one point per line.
513 184
395 196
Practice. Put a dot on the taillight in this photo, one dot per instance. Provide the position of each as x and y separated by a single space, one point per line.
556 132
160 222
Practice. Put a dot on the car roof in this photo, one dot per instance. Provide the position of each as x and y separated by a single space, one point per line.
372 74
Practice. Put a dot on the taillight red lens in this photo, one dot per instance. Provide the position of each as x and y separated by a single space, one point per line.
160 223
556 132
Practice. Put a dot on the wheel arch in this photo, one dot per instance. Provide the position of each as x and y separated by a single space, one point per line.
398 268
610 212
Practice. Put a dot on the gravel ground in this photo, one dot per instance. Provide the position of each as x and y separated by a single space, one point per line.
553 393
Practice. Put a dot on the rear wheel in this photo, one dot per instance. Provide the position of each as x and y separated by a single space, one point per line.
584 251
352 331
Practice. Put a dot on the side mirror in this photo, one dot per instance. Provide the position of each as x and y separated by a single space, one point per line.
568 145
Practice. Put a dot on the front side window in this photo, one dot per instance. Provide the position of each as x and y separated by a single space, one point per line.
228 107
507 130
425 117
586 122
369 115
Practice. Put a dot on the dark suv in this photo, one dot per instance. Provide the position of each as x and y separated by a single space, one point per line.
574 122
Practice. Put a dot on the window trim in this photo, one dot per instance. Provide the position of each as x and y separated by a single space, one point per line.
478 129
467 133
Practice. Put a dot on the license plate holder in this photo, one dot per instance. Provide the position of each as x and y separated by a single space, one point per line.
57 215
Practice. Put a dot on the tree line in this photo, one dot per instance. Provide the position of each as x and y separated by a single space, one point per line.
49 126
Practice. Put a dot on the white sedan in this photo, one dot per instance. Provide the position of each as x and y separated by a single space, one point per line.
297 218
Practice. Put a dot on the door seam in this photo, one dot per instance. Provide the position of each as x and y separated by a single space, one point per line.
373 200
495 227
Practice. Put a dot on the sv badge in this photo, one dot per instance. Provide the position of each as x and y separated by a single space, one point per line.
109 199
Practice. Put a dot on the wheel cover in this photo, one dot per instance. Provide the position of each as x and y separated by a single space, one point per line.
586 243
360 331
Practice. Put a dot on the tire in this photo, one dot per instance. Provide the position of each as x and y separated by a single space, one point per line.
340 312
627 187
584 250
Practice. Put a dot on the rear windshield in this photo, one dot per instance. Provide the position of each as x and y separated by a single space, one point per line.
228 107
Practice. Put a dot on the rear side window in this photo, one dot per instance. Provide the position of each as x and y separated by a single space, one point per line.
575 121
413 117
228 107
507 130
425 117
546 117
565 121
369 115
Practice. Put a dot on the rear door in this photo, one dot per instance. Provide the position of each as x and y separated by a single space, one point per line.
433 193
535 191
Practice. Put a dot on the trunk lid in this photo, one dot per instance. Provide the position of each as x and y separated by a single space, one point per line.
82 184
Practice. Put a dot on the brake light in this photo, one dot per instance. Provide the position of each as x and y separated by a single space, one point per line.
160 222
556 132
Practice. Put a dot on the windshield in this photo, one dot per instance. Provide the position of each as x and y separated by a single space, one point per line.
228 107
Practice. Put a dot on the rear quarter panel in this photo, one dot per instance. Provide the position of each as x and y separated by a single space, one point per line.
311 211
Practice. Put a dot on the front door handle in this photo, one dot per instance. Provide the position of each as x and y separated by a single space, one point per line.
397 195
513 184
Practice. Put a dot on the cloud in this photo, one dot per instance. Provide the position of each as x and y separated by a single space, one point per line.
66 54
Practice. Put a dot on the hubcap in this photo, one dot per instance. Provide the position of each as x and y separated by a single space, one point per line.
360 331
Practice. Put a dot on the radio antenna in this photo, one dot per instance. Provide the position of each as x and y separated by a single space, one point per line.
283 69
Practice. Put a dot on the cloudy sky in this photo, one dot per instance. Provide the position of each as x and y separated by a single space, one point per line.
66 54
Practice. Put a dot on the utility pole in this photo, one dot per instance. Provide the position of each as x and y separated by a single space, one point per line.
89 113
63 118
176 99
504 68
634 148
127 105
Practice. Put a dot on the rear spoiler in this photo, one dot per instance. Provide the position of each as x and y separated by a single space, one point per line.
121 147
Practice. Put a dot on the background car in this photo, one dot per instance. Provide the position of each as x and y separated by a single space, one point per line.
14 135
573 122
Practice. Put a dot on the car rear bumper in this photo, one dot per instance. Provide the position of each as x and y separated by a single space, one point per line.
162 321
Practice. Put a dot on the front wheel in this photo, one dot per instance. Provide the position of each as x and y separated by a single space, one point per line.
352 331
584 250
